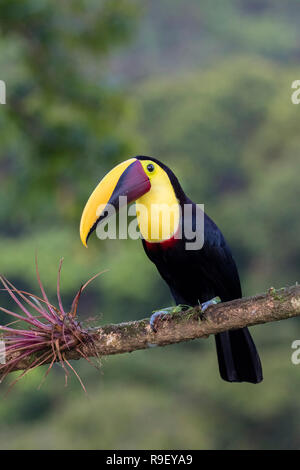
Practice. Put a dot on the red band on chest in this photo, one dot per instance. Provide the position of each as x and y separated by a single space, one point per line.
164 245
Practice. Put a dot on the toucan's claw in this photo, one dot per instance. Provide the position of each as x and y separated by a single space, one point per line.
159 315
163 313
205 305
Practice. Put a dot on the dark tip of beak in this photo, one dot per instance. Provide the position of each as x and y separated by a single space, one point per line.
93 228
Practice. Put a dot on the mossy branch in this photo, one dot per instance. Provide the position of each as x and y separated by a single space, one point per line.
181 326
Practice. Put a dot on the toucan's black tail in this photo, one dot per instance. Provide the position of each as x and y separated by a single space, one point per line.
238 358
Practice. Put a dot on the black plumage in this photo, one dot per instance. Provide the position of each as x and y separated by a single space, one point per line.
196 276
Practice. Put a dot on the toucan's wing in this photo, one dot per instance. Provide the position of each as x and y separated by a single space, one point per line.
216 263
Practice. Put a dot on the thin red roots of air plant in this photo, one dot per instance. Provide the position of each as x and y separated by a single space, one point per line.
51 331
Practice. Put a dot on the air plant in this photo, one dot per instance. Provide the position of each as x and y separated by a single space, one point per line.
49 334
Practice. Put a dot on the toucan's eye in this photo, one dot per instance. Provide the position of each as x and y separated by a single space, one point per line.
150 167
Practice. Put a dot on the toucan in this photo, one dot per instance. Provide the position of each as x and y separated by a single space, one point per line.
194 276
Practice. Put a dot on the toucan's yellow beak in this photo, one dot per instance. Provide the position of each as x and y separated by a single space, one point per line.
126 179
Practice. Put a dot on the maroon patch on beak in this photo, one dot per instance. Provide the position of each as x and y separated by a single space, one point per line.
133 184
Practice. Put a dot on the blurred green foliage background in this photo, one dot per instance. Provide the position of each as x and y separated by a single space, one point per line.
205 87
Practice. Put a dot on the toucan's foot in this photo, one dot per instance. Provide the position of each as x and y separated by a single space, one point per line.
155 317
163 314
205 305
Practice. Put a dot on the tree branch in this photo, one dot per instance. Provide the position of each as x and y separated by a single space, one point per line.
184 326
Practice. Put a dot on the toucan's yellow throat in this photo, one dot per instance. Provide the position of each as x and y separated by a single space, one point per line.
145 182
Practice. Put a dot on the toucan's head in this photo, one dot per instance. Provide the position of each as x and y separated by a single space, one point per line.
133 178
